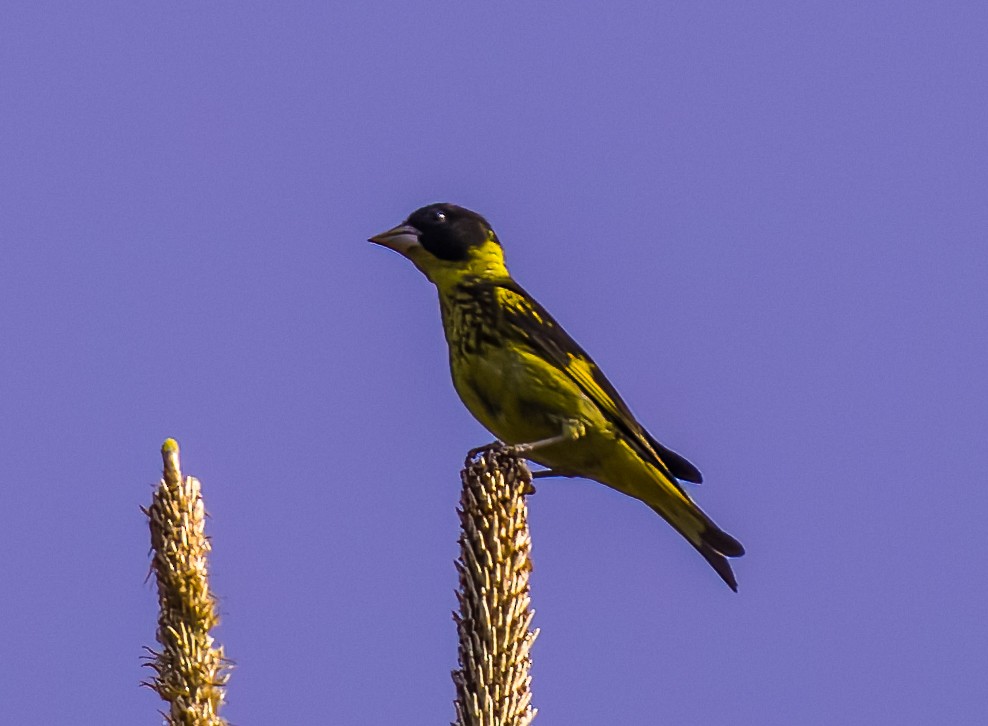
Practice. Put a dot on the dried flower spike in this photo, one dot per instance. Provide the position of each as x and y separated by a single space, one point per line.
190 672
493 685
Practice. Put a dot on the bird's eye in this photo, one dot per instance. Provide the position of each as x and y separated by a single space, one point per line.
439 216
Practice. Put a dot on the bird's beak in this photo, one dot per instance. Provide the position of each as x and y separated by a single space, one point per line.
401 239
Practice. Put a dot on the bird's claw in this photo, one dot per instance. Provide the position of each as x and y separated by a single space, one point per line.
477 451
500 446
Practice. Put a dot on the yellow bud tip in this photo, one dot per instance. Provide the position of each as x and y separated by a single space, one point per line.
169 455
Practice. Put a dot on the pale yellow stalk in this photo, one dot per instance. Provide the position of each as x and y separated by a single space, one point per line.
493 685
190 670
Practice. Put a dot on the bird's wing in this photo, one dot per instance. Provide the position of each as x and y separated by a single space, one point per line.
542 333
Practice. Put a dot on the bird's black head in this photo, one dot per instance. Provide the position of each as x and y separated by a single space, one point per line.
449 232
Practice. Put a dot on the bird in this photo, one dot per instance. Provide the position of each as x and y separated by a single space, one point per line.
526 380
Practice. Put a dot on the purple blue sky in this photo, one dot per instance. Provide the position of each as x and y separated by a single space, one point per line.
768 222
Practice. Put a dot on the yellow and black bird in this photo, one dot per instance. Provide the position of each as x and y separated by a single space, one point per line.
528 382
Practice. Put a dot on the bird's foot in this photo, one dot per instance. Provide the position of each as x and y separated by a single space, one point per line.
477 451
500 446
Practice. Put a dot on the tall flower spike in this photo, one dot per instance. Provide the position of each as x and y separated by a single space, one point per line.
190 672
493 685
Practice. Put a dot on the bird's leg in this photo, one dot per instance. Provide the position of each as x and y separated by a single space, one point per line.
546 473
573 429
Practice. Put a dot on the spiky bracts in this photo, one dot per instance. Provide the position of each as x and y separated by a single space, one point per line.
493 685
190 672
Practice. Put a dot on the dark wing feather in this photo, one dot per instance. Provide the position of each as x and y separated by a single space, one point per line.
678 464
545 335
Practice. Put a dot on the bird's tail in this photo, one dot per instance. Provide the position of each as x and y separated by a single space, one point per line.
628 472
713 543
671 503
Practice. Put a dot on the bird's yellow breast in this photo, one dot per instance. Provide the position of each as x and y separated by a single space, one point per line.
508 383
521 398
